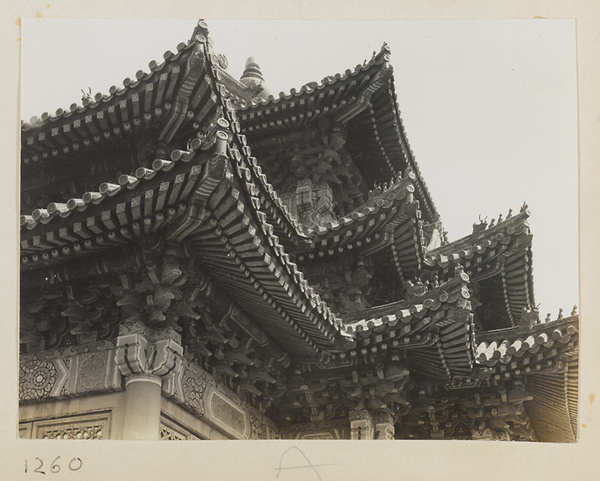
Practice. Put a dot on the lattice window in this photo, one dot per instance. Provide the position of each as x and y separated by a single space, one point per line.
171 430
168 434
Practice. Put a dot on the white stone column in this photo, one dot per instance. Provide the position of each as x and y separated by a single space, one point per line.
142 407
145 365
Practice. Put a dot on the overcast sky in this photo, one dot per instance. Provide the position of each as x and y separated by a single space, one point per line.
489 106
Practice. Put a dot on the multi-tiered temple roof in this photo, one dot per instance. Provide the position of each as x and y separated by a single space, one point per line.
292 248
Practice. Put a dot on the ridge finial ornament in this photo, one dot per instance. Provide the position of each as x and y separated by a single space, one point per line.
201 29
86 96
530 317
481 226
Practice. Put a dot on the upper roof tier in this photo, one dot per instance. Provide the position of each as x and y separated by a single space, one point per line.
240 216
498 258
364 101
171 101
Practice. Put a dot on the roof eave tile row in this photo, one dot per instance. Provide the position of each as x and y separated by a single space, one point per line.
241 151
451 294
265 267
181 97
503 252
260 106
250 174
370 226
120 212
255 113
129 85
423 190
278 212
438 321
252 167
256 180
107 190
478 242
525 350
144 82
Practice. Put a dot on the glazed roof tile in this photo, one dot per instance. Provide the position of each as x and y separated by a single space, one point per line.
142 176
338 80
374 225
439 318
554 408
498 259
271 283
255 269
282 283
344 102
528 349
423 190
478 243
135 96
282 220
431 299
174 94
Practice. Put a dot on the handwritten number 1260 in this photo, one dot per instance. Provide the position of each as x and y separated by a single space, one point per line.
74 465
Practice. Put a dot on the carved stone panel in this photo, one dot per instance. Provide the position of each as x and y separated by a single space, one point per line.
93 372
55 375
187 388
227 415
169 434
261 427
82 426
40 380
194 389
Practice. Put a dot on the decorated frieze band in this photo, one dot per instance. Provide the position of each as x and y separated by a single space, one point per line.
198 392
327 429
50 375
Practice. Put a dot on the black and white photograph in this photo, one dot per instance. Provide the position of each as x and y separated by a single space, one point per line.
206 258
301 232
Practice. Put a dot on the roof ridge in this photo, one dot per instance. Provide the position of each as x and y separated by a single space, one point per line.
310 87
442 292
89 102
480 235
109 189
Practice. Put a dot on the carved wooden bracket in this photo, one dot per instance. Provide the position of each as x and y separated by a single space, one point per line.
361 425
91 313
383 426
